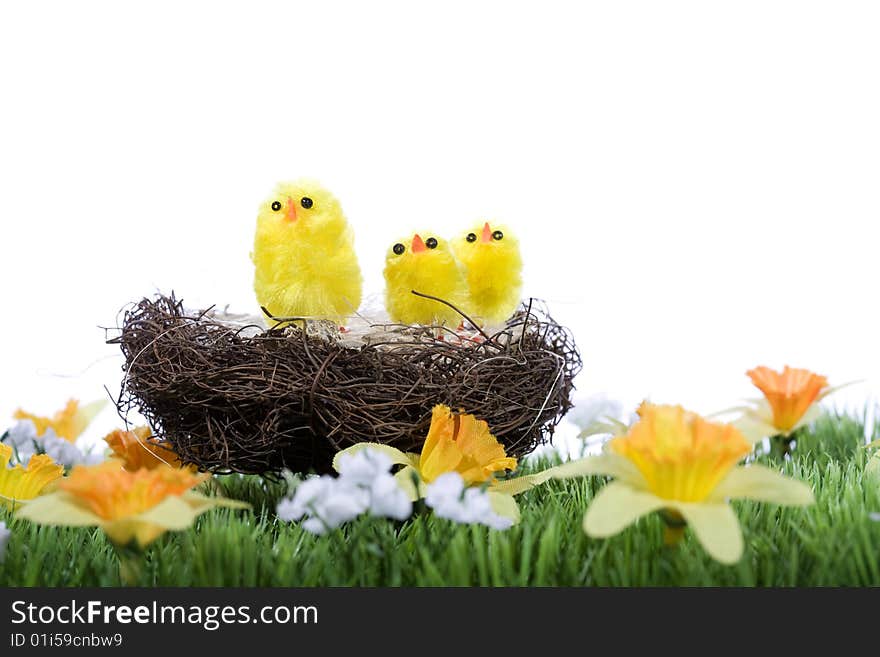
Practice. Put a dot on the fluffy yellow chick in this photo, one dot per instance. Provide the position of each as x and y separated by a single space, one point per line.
304 258
427 266
493 272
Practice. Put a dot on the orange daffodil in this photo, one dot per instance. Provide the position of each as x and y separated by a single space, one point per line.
68 423
19 484
131 507
676 462
790 395
456 442
139 449
791 401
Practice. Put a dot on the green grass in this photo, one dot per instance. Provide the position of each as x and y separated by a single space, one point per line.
833 542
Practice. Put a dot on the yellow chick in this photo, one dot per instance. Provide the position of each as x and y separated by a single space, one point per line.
304 258
493 272
426 266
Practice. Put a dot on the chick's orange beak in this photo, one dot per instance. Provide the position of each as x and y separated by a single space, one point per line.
487 233
291 210
418 245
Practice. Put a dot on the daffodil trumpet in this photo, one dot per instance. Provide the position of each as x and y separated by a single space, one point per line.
458 442
676 462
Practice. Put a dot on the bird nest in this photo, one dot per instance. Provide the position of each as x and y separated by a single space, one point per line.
231 396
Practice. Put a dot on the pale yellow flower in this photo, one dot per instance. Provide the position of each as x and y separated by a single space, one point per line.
68 423
676 462
128 506
21 483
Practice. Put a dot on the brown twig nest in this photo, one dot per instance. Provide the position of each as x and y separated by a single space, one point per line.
240 398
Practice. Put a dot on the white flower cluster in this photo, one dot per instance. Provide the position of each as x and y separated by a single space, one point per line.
25 442
365 484
450 499
4 539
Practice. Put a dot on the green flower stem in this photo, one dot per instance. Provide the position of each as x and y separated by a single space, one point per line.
675 524
131 565
781 445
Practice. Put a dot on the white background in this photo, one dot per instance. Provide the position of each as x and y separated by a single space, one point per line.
695 183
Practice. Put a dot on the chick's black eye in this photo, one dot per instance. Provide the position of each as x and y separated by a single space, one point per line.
431 243
471 237
399 249
497 235
276 205
306 202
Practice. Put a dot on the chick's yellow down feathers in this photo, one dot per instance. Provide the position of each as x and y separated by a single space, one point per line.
427 266
304 257
490 257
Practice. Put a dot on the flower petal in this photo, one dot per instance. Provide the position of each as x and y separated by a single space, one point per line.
397 456
517 485
199 502
604 425
831 390
608 463
758 482
616 506
504 505
754 426
58 508
174 513
716 527
811 415
85 415
408 479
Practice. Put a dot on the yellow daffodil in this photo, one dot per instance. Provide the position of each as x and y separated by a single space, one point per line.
684 466
139 449
68 423
463 444
20 483
457 442
131 507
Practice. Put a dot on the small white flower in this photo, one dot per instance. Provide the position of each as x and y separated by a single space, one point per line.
327 502
62 451
450 499
446 489
363 467
286 510
310 490
22 436
388 499
364 484
4 539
